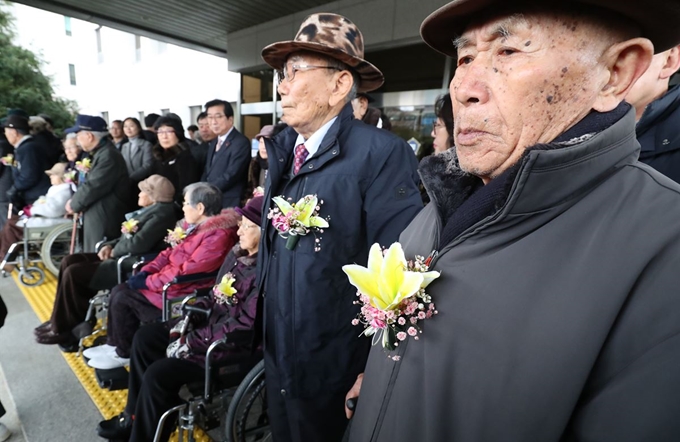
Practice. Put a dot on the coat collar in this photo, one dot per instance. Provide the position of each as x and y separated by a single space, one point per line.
547 175
654 121
280 148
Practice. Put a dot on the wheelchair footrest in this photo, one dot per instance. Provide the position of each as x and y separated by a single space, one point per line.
114 379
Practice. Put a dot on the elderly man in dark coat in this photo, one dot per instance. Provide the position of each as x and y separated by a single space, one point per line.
367 182
30 163
558 308
104 196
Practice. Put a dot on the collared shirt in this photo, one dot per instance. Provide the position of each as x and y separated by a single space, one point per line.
313 143
222 138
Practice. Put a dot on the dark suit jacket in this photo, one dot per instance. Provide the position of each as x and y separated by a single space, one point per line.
228 168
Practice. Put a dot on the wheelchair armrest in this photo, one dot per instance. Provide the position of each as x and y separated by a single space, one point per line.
183 279
99 245
208 357
193 277
143 259
119 267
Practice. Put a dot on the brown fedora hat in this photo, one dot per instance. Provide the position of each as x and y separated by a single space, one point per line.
332 35
658 19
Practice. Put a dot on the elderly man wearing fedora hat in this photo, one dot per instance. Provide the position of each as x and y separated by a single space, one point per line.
366 182
558 308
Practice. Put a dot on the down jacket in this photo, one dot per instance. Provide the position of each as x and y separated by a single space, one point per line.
202 251
225 319
559 314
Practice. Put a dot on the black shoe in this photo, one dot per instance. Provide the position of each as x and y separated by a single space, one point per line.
118 427
43 328
70 347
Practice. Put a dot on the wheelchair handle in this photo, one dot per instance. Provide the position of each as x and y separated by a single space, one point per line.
204 311
208 357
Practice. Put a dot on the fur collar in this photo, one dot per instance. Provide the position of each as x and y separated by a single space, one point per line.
226 220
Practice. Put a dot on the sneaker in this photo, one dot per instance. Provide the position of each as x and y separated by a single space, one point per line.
117 428
4 432
99 350
108 362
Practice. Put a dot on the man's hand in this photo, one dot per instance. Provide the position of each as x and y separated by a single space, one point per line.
68 207
105 253
353 394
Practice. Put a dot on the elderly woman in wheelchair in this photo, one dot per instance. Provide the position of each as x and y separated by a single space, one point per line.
198 247
50 205
165 356
82 275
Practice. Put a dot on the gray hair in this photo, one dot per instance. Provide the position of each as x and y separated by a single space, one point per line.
205 193
97 135
70 135
340 66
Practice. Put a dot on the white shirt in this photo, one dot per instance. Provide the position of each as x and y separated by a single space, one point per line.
313 143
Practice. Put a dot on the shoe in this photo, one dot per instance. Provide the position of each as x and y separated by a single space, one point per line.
117 428
42 328
70 347
4 433
51 338
108 362
99 350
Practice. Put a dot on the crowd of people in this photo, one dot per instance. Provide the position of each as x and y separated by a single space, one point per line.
554 244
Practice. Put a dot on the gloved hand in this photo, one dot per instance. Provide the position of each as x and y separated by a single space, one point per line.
178 349
138 281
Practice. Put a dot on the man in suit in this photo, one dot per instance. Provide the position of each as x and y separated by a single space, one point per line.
226 165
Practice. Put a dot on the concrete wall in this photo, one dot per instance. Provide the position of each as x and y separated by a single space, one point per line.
384 24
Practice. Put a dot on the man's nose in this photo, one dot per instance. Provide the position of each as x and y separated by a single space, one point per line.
471 84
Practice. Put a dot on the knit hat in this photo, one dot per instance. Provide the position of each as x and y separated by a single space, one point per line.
174 123
159 189
252 210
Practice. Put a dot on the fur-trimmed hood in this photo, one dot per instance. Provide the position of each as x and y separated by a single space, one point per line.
227 219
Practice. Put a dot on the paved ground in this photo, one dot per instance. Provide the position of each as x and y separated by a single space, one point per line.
44 399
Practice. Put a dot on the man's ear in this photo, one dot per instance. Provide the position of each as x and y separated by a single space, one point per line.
625 62
343 82
672 63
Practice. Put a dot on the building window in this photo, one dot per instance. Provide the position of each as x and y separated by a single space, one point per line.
67 26
141 117
165 111
195 111
138 48
105 116
72 74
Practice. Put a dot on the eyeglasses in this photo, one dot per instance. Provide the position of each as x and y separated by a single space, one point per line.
436 127
216 117
291 69
246 227
165 132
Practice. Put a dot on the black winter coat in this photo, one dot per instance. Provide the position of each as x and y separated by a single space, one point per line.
368 182
177 165
104 196
658 134
29 176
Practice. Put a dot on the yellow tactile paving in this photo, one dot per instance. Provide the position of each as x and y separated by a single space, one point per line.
109 403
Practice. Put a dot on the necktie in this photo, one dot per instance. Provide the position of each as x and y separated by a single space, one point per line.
300 157
219 145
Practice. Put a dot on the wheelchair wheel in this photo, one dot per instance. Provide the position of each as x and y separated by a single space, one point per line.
32 276
247 419
56 246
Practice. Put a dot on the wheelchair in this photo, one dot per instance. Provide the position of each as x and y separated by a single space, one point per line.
46 240
232 397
